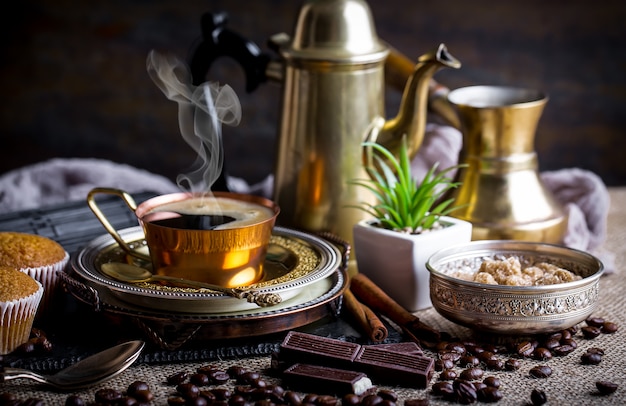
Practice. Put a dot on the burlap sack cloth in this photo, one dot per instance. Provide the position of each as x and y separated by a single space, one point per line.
570 384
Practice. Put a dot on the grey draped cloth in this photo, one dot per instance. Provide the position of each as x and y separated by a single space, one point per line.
582 193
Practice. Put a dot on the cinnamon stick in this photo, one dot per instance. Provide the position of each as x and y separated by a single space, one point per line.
365 317
373 296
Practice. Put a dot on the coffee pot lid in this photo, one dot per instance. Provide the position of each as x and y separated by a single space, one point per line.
339 31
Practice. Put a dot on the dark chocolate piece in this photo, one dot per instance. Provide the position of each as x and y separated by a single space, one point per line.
380 362
320 379
407 347
310 348
395 368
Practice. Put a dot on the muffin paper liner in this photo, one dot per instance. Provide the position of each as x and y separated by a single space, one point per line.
16 320
48 277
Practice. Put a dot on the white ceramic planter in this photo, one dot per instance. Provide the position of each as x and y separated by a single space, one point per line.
396 262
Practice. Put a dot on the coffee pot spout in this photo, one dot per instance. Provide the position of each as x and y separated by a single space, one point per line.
412 113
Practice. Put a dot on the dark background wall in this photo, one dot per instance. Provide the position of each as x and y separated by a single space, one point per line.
74 82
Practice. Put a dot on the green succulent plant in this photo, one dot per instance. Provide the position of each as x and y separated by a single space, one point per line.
403 203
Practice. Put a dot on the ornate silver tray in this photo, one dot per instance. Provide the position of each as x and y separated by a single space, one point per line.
295 260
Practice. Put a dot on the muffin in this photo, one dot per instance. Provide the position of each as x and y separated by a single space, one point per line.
20 296
39 257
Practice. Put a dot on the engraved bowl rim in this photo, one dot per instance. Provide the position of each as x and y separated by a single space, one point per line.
496 308
485 248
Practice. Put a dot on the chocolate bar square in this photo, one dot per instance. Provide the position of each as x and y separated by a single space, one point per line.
394 367
309 348
321 379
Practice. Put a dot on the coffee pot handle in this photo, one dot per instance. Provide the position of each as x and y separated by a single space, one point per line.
218 41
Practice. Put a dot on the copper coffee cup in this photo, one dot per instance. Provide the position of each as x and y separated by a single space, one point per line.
228 254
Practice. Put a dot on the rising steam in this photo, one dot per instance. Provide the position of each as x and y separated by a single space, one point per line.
201 109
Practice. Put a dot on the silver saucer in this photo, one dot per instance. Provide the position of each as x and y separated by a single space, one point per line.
301 259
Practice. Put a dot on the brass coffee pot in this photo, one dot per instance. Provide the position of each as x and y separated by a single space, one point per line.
502 193
333 76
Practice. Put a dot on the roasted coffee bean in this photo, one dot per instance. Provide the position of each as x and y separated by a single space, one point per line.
450 355
554 336
566 334
456 347
218 377
606 387
127 401
472 374
199 379
277 391
200 401
551 343
495 364
492 381
441 364
71 400
590 358
571 342
512 364
236 400
259 393
465 391
221 393
294 398
473 348
489 394
467 361
595 321
609 327
176 401
439 388
448 375
591 332
350 399
177 378
371 400
137 386
525 349
542 354
143 396
244 390
248 377
540 371
188 390
327 400
235 371
563 350
486 355
388 395
478 385
107 395
493 348
42 344
538 397
26 348
595 350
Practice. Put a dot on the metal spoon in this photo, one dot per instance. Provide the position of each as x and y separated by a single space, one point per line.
134 274
89 371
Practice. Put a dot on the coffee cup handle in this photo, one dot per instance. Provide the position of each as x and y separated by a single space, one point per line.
130 202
